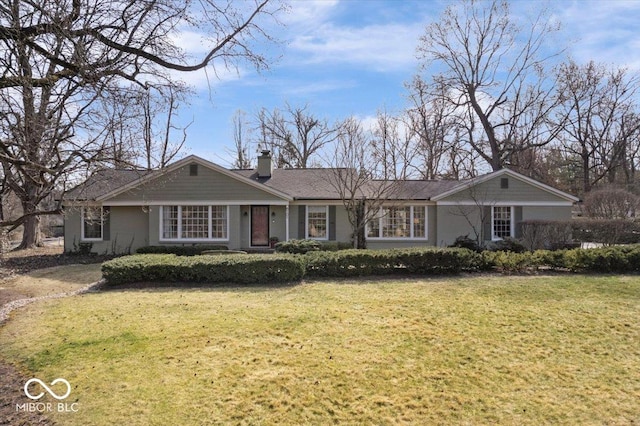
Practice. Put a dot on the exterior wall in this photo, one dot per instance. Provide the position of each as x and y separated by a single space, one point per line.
72 228
340 221
546 213
180 186
491 192
453 221
128 230
277 225
343 227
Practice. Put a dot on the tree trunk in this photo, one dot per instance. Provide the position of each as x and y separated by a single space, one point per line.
31 228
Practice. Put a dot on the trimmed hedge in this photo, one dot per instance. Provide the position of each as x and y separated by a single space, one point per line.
618 259
350 263
180 250
305 246
280 268
245 269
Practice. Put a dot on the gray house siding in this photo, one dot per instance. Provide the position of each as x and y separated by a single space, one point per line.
125 229
546 213
491 192
339 227
453 221
456 220
179 185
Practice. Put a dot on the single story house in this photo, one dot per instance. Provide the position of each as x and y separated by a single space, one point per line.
194 201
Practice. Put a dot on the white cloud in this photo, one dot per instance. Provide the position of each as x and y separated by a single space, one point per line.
309 11
603 31
381 47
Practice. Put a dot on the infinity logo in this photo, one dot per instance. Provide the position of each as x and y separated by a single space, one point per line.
47 388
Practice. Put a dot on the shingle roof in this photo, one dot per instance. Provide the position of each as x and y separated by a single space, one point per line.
299 183
103 182
307 184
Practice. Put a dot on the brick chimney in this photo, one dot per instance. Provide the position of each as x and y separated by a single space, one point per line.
265 165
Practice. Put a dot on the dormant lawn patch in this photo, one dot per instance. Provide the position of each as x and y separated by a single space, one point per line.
510 350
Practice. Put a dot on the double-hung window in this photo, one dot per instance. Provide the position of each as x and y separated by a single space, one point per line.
405 222
92 223
502 222
194 223
317 222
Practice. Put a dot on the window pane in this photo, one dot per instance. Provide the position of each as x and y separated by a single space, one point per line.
169 221
373 229
502 222
93 222
219 222
419 222
395 222
195 222
317 221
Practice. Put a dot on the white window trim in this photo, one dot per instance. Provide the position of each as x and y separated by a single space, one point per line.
82 215
512 228
411 236
179 229
306 222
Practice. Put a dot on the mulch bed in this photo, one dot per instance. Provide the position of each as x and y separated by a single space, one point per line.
12 383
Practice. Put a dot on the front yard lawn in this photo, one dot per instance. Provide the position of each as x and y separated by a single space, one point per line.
464 350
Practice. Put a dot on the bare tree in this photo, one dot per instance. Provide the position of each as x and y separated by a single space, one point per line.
394 149
353 178
611 203
604 125
60 57
493 74
294 135
433 124
242 152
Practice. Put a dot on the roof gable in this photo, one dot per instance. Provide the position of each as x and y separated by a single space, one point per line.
175 167
476 182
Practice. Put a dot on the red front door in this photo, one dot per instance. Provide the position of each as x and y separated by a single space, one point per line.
259 225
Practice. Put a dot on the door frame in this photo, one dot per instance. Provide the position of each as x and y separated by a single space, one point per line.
251 225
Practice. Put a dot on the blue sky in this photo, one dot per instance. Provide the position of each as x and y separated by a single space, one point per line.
353 57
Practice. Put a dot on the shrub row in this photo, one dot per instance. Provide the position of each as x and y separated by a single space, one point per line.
240 269
618 259
306 246
180 250
349 263
606 231
250 269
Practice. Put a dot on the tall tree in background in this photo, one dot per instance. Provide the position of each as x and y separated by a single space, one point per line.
603 128
393 148
294 135
60 59
431 121
493 72
139 126
242 150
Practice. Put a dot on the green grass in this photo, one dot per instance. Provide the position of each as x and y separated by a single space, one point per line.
480 350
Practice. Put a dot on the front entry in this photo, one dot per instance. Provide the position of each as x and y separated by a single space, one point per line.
259 226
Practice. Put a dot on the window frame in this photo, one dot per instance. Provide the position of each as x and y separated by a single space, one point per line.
83 217
179 218
306 222
412 208
495 237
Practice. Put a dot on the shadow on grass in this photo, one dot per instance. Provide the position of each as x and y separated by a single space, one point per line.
258 287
